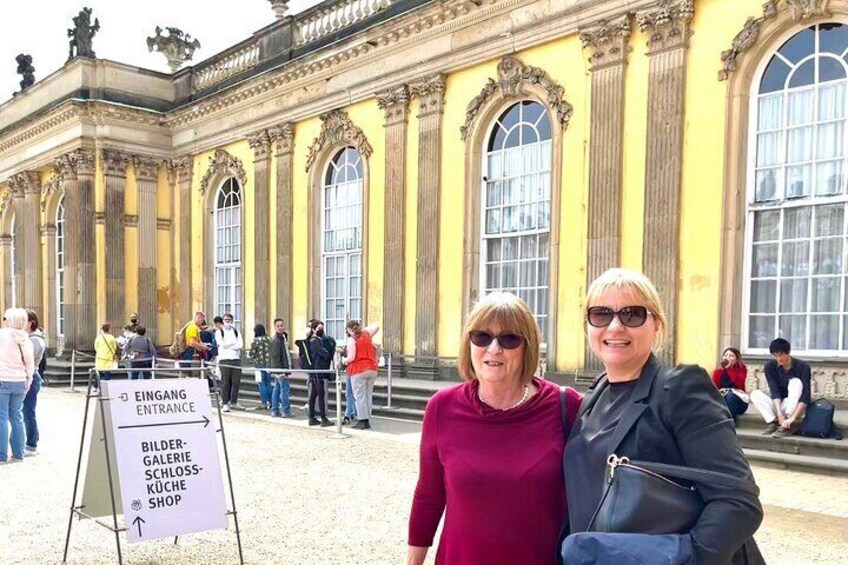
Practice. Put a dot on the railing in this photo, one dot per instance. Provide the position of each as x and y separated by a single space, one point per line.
240 58
330 17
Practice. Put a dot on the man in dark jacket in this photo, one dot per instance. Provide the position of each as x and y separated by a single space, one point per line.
280 395
320 350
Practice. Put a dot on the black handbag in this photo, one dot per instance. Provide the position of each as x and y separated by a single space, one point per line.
655 498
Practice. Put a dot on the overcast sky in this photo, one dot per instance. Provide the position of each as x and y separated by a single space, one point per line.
39 28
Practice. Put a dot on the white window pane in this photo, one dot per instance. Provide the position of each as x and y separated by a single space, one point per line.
827 256
770 112
830 140
829 220
768 148
793 295
829 177
764 261
824 332
825 295
794 330
800 107
763 296
761 330
766 184
766 226
795 261
832 101
796 223
799 145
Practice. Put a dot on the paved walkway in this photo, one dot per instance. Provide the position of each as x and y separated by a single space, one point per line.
305 498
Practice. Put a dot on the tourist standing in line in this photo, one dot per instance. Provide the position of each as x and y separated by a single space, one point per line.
321 349
230 344
106 352
140 353
260 352
38 347
134 322
362 368
16 371
280 359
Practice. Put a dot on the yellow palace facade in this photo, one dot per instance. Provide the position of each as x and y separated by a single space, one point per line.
393 160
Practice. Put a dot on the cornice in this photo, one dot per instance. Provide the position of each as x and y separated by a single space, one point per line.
607 42
61 115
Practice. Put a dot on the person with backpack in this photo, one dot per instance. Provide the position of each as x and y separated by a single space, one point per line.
106 352
321 349
187 346
230 345
140 353
260 352
280 359
789 391
38 348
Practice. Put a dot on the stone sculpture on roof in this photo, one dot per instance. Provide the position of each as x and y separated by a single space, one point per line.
26 70
81 35
178 47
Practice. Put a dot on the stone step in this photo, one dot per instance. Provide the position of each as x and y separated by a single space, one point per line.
796 462
794 445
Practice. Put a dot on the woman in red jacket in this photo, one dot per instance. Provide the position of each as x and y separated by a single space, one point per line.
729 377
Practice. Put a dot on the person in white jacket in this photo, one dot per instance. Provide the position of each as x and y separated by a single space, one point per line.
16 369
230 344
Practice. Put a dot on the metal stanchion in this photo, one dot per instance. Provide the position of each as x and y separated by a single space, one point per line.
388 405
73 368
339 433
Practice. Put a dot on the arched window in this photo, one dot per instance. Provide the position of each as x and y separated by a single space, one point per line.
60 267
341 248
516 207
228 250
796 231
13 276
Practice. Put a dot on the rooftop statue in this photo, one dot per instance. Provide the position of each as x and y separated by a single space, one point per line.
178 47
82 34
26 70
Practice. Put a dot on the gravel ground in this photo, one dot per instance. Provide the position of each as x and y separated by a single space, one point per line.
302 498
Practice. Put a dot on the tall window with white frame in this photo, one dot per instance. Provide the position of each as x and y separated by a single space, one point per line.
13 277
227 246
341 242
795 264
60 268
516 207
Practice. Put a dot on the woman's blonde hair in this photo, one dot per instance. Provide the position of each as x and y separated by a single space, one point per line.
624 280
16 318
513 316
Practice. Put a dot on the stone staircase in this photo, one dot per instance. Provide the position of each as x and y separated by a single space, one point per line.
410 396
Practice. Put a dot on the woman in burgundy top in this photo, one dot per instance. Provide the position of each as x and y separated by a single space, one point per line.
730 378
491 448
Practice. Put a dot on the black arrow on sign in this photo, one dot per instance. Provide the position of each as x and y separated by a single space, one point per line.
205 421
138 520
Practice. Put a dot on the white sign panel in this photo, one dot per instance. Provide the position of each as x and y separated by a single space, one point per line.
167 456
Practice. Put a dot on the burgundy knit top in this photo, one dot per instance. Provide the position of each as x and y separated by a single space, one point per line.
496 475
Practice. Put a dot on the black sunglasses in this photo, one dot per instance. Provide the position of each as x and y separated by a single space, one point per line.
507 341
630 316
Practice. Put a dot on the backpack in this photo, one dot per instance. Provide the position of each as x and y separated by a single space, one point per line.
818 421
178 346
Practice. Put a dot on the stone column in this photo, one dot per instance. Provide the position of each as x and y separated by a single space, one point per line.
260 142
115 172
183 167
607 46
431 95
395 103
667 28
77 173
147 175
26 190
283 136
6 250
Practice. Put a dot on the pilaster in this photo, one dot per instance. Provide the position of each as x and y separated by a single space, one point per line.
606 44
147 175
395 103
115 174
26 190
283 137
260 142
667 28
431 95
181 287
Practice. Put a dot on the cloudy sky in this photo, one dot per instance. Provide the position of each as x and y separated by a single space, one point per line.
39 28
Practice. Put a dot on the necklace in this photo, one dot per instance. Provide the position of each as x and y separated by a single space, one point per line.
521 401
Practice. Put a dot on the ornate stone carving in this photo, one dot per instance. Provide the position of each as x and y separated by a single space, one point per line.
280 8
225 165
178 47
395 103
79 162
5 200
114 163
607 42
743 40
81 35
260 142
430 93
26 70
336 127
283 136
146 168
806 9
24 182
50 187
667 24
513 74
181 168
